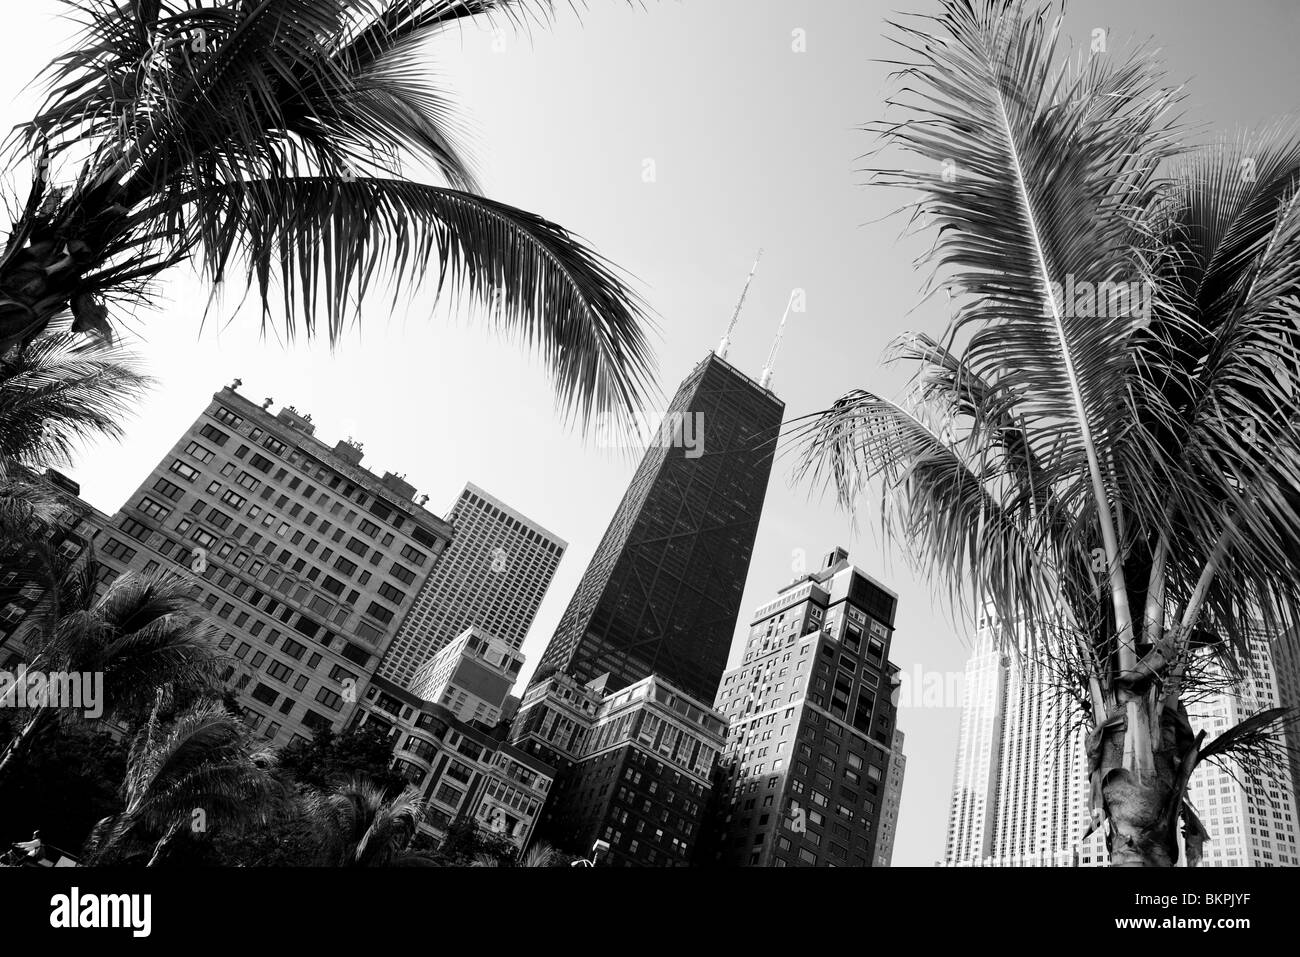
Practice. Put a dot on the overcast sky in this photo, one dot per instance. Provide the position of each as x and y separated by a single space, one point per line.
751 143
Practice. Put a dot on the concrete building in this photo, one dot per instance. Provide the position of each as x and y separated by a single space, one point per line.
555 718
1251 823
493 576
471 677
640 781
1285 656
887 828
305 560
663 588
811 728
21 585
464 769
1020 785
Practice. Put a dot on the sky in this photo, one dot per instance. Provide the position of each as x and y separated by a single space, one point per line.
677 137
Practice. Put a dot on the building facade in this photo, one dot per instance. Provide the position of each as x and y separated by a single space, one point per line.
887 829
493 575
305 560
1020 785
1251 822
663 588
555 718
22 582
471 677
804 774
641 780
465 770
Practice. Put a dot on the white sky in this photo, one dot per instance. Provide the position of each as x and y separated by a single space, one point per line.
753 145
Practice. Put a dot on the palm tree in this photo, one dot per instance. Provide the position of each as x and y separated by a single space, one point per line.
58 390
359 826
140 636
202 771
1103 442
268 142
539 854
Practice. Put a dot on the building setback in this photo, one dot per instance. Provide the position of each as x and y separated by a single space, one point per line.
471 677
493 576
811 722
663 588
304 560
465 770
639 780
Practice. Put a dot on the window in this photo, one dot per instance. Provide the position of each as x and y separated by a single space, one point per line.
261 463
391 594
214 435
168 490
188 472
233 499
115 549
196 451
219 518
357 546
279 671
344 565
402 573
294 649
153 509
330 699
226 417
137 530
414 556
332 585
274 445
367 527
380 612
265 694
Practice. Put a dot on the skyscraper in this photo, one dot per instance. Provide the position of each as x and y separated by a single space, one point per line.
805 772
493 576
663 589
1251 823
1020 786
887 828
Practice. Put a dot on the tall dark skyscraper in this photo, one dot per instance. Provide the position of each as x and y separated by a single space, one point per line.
663 590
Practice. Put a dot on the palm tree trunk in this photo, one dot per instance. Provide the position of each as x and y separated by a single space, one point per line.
1143 809
23 741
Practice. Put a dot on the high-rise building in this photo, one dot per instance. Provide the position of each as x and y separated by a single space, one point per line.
492 576
640 779
1020 786
887 829
810 737
305 560
22 579
664 586
1250 822
471 677
1285 649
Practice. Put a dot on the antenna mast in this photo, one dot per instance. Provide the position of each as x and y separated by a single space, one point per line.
725 344
765 379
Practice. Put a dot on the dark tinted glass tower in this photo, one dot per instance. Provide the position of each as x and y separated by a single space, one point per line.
663 590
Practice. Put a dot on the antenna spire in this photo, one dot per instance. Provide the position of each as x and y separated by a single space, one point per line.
725 344
769 367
